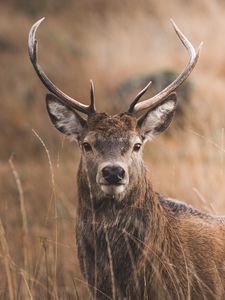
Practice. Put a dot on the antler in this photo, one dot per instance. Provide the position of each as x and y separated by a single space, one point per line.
32 48
151 102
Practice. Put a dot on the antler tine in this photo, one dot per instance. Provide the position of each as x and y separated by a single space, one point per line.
32 49
138 97
92 96
193 58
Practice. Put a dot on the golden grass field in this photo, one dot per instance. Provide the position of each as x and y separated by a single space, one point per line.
107 41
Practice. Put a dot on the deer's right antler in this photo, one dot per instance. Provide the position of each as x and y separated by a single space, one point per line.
32 48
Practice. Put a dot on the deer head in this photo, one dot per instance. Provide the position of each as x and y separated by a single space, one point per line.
111 146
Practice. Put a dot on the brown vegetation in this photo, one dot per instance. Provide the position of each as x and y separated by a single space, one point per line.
108 42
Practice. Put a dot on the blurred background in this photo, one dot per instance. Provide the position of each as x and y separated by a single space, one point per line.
121 45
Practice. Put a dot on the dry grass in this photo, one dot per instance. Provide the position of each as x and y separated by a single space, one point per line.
107 41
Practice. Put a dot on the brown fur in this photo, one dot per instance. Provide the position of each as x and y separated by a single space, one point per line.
145 246
106 124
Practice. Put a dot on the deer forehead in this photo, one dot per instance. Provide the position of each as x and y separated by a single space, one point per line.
105 123
98 138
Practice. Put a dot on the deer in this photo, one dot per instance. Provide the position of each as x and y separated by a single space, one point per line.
133 242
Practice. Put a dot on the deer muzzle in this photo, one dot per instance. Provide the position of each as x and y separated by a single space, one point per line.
112 177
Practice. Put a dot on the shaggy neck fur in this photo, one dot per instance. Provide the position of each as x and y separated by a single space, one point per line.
111 236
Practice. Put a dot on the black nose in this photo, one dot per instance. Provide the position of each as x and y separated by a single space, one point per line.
113 174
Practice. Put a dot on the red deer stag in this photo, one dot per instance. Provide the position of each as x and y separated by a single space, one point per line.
132 242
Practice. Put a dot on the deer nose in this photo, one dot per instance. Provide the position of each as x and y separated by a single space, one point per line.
113 174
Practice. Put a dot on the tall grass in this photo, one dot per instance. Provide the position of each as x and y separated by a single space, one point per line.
108 42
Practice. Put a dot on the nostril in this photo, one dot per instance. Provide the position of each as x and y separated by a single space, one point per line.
121 172
113 174
106 172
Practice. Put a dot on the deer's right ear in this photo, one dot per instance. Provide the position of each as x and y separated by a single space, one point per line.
64 118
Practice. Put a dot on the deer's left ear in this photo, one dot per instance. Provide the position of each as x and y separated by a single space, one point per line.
158 118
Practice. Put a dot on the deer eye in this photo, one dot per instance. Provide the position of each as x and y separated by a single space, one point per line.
137 147
87 147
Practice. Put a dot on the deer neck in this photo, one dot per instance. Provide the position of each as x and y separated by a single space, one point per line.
140 196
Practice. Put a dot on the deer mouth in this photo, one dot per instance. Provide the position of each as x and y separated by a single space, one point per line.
112 189
114 184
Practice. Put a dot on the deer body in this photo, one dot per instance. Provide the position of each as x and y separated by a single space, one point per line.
173 266
132 242
145 246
